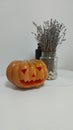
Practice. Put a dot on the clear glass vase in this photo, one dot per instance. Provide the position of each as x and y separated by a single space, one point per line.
50 60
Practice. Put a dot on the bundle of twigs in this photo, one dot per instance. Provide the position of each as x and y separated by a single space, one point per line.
50 35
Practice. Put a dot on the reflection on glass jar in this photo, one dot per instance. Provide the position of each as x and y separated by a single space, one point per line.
50 60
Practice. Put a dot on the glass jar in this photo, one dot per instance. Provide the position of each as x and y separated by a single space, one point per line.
50 60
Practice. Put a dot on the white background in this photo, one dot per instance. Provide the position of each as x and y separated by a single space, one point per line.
49 107
16 40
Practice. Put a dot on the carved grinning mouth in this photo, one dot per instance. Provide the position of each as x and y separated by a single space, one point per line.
31 82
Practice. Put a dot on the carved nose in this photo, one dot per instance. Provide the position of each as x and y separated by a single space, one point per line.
33 75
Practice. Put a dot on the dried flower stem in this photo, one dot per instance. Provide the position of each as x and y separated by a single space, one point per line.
50 35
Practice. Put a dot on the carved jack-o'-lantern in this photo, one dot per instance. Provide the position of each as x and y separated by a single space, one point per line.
27 74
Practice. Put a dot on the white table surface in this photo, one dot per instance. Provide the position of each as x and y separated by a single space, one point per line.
49 107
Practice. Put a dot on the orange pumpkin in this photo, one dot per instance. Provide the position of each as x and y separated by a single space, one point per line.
27 73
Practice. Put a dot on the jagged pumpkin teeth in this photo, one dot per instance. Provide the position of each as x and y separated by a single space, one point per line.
27 74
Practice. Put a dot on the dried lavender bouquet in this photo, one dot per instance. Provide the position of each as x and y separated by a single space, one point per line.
50 35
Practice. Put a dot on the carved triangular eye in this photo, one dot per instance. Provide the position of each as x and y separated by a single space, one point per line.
24 70
39 68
